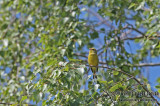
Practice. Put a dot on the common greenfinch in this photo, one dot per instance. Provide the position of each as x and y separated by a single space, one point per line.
93 61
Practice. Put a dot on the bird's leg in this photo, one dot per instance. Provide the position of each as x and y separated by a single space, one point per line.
90 66
88 71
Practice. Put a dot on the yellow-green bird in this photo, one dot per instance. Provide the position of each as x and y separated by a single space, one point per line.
93 61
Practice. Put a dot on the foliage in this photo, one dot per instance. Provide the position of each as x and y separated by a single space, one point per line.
43 46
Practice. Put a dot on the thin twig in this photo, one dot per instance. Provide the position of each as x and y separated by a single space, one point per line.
78 54
137 31
102 20
109 96
140 37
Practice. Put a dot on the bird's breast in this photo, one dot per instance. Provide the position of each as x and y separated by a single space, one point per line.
93 59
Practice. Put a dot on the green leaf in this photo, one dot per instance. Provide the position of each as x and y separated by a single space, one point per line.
44 103
132 5
140 6
96 87
48 4
94 94
99 104
90 45
81 70
115 72
94 35
61 63
79 42
158 45
63 51
66 19
5 42
23 98
158 80
157 86
113 88
110 82
104 82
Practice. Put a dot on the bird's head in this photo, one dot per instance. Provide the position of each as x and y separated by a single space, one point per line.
92 51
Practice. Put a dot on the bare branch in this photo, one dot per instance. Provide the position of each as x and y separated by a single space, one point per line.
139 37
77 54
102 20
134 29
147 64
138 65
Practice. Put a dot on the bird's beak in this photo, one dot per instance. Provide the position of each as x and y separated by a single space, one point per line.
90 48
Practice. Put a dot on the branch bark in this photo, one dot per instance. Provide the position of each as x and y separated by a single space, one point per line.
131 76
139 37
134 65
138 65
15 104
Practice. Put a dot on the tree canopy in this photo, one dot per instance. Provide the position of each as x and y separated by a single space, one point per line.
44 46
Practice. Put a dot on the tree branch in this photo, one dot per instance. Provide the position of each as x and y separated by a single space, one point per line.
102 20
15 104
139 37
139 65
78 54
136 30
147 64
131 76
134 65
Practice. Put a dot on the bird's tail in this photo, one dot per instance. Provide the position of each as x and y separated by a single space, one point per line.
94 76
